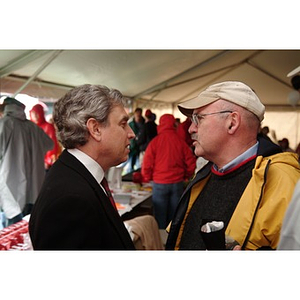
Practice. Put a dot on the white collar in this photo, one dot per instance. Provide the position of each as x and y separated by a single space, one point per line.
94 168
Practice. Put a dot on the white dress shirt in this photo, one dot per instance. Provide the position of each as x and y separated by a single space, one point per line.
94 168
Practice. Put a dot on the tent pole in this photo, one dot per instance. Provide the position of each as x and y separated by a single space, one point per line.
267 73
22 61
162 85
38 71
226 71
207 84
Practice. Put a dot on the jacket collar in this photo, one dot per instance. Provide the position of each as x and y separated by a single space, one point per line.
265 148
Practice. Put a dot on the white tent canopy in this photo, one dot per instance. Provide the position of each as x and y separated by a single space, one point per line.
158 79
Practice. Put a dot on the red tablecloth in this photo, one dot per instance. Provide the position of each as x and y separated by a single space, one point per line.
15 237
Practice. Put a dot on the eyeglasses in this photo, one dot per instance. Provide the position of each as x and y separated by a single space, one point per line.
197 117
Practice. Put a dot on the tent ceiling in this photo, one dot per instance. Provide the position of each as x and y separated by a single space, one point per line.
154 75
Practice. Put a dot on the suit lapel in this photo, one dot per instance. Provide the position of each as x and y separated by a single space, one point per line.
73 163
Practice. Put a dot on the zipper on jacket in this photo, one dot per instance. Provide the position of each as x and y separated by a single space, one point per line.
257 206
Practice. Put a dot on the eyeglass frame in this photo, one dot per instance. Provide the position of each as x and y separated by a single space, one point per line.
195 118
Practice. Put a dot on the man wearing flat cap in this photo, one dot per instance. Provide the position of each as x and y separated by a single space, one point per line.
244 190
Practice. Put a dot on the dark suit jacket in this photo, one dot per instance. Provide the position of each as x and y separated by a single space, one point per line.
73 213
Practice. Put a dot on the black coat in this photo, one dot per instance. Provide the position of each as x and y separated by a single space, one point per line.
147 133
72 212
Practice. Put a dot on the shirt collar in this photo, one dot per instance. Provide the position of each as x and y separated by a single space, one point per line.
94 168
238 160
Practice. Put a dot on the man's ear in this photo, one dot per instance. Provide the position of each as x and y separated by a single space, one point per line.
94 128
235 121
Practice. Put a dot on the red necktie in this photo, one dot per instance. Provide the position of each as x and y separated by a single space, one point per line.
104 183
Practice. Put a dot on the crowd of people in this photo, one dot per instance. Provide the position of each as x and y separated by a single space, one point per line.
163 154
219 181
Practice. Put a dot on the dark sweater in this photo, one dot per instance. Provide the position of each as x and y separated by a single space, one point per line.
216 202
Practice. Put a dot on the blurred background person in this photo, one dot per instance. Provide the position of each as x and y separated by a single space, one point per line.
169 163
37 115
183 131
146 134
177 122
298 151
263 132
23 146
285 145
136 125
1 110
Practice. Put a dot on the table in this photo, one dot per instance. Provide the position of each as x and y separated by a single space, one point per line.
140 202
137 200
16 236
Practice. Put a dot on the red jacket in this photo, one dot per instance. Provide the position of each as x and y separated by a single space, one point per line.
182 131
168 159
49 129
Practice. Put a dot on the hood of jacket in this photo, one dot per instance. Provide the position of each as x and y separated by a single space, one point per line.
14 110
39 110
166 122
267 149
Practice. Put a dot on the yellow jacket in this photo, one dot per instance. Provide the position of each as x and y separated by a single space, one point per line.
257 219
262 206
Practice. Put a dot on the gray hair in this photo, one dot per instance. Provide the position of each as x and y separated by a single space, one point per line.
71 112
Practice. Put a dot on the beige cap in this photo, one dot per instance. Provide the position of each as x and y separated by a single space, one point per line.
233 91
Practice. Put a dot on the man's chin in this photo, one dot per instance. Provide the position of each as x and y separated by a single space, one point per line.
124 159
201 154
198 152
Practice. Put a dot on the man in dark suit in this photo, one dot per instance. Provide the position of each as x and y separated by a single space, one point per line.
74 210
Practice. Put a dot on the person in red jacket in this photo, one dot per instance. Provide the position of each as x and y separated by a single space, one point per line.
168 162
183 131
37 115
